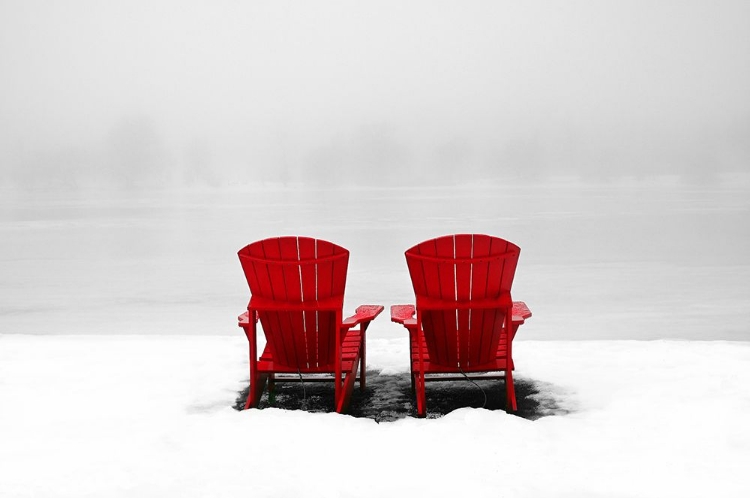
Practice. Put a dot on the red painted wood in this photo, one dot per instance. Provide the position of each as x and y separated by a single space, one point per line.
297 287
401 313
466 337
465 317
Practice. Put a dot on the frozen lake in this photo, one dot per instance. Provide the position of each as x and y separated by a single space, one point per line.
638 260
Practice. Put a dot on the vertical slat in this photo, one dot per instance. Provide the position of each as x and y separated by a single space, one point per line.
324 270
496 268
432 326
248 268
294 327
511 262
268 276
308 270
480 337
261 285
417 274
430 270
326 336
309 294
278 249
294 337
325 329
464 250
272 251
289 255
480 269
445 248
449 338
271 323
279 326
255 271
256 249
493 326
339 275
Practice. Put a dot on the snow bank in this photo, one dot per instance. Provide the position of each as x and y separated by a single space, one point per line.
152 416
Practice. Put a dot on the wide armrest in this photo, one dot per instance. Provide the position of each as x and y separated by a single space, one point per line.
364 313
520 312
244 319
404 314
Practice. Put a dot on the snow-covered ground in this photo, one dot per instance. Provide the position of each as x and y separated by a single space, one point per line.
152 416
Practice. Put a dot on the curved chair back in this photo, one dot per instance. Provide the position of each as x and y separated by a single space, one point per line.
462 285
297 286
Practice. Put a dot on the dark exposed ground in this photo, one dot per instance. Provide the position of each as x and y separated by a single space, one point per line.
389 397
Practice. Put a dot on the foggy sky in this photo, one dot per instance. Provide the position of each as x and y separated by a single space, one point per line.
152 93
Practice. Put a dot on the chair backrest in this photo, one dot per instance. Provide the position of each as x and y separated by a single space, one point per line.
454 277
289 272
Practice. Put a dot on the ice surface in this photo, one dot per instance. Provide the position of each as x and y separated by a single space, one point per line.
629 260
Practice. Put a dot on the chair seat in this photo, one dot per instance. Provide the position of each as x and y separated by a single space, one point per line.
350 352
500 362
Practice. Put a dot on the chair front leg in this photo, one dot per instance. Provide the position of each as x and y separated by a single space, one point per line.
337 355
363 357
257 380
510 392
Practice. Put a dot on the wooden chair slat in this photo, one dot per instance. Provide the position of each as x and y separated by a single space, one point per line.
272 321
308 272
325 336
464 249
338 275
290 272
324 270
272 250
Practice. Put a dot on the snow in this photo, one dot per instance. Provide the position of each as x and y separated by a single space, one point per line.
152 416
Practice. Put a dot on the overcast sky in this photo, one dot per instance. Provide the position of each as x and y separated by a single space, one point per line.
191 90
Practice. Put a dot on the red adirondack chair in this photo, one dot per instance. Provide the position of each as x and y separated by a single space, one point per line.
465 317
297 293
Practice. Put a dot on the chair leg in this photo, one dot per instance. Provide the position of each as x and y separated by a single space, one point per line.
271 388
411 360
510 392
256 390
363 364
421 396
345 394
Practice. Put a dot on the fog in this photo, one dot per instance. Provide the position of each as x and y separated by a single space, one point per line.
142 144
137 94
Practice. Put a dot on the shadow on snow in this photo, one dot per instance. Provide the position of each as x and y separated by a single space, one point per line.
389 397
